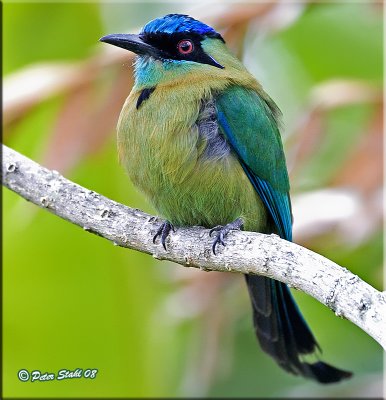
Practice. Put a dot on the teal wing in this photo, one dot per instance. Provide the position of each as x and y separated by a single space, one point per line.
250 123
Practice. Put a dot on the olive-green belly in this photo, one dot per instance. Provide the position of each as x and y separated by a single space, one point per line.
215 193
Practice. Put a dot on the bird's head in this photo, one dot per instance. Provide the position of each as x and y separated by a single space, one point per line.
172 46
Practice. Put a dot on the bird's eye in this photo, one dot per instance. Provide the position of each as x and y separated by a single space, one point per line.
185 46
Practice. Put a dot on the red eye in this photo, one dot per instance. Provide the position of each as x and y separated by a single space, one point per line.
185 46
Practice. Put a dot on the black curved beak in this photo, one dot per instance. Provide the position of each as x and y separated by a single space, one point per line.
130 42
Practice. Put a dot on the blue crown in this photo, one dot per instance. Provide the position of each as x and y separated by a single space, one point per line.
178 23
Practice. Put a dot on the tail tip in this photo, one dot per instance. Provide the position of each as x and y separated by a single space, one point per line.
325 373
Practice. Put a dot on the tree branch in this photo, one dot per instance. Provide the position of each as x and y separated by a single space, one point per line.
246 252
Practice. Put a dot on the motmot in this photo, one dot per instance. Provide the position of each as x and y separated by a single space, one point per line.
201 140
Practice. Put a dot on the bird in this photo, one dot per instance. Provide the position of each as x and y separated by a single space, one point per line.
200 138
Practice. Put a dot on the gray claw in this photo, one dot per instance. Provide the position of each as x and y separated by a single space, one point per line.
223 232
164 231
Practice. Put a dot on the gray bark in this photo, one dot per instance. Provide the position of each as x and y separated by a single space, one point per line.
246 252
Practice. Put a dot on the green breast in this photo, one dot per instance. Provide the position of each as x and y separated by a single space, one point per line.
166 156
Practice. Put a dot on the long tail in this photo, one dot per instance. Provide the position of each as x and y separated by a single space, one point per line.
283 333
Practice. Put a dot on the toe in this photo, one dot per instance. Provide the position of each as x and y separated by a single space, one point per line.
164 231
215 229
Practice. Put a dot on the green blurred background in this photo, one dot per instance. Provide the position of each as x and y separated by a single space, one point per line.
73 300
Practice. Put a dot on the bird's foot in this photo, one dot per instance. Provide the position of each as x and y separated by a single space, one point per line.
222 232
164 231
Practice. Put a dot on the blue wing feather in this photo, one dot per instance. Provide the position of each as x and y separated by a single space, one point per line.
278 204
